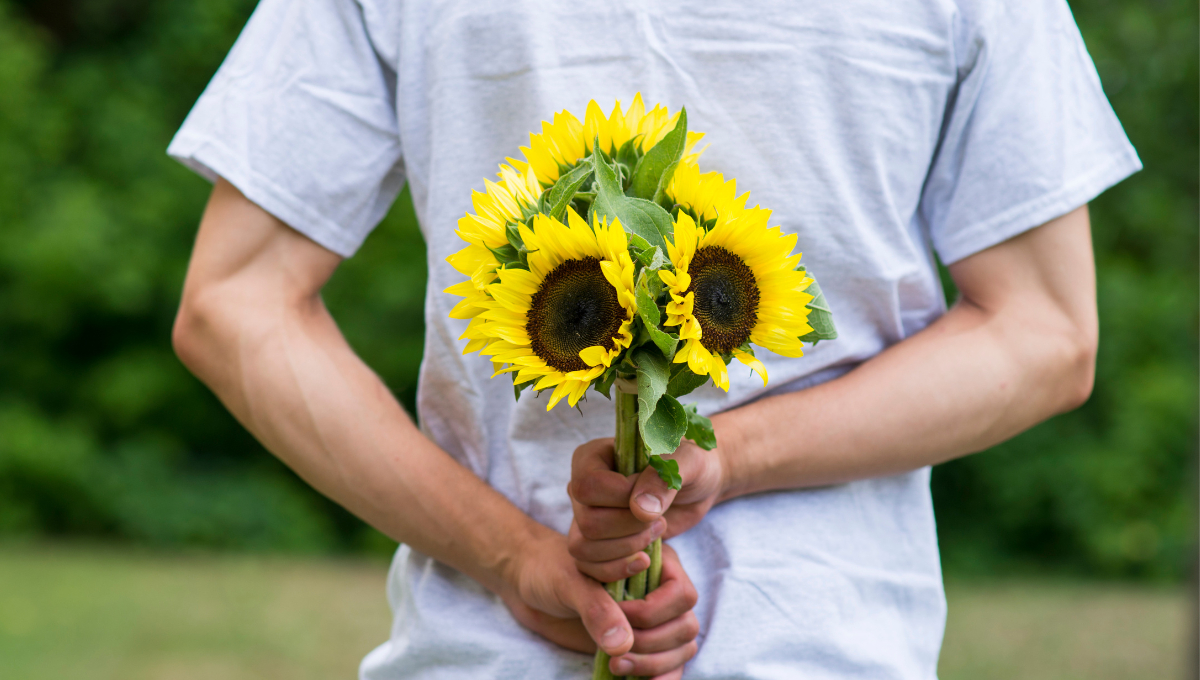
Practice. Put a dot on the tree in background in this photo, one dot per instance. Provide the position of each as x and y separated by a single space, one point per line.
103 433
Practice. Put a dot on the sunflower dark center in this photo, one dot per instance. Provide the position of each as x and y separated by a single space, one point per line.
726 302
575 308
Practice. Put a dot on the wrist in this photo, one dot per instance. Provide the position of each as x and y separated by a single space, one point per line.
506 570
727 455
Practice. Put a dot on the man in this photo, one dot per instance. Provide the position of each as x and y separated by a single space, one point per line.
879 132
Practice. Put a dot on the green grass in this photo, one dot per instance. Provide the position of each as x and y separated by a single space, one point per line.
70 613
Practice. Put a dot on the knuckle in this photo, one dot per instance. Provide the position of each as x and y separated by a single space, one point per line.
689 650
690 597
596 611
586 487
691 627
590 525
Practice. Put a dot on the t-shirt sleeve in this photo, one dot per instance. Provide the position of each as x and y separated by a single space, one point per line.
1028 135
301 117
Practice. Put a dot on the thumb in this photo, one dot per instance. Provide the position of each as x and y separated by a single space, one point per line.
651 496
603 619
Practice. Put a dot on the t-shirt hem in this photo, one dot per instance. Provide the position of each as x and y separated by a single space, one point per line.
211 159
1036 212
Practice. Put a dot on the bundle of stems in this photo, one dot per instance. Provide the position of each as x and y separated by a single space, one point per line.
630 459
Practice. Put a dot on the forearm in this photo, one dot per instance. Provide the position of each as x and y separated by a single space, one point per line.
987 370
953 389
253 327
292 381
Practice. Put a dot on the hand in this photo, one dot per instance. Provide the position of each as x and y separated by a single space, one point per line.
617 516
655 636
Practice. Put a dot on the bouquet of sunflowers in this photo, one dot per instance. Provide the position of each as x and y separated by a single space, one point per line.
607 260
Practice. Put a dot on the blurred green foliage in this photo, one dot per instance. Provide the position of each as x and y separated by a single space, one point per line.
104 433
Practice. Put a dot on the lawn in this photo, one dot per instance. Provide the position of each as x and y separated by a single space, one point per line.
70 613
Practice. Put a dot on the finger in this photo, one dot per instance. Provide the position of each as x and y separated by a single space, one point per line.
603 619
596 454
650 496
568 633
653 664
674 633
674 596
588 550
598 524
615 570
602 488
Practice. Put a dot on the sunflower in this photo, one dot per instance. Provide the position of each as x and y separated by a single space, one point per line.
705 195
564 320
734 284
500 203
563 142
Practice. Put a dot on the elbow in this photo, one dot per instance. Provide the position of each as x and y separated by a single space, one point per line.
186 334
1079 374
194 335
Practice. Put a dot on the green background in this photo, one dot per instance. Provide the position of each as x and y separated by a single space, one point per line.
104 434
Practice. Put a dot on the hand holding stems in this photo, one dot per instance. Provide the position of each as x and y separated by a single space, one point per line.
618 517
548 595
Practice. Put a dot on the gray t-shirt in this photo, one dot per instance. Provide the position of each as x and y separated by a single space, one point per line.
880 132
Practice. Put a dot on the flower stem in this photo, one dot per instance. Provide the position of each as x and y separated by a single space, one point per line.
627 447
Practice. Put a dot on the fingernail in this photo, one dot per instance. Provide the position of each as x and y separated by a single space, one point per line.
649 503
613 637
623 666
657 529
633 565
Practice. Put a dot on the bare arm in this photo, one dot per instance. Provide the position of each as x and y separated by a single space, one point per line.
1017 348
253 327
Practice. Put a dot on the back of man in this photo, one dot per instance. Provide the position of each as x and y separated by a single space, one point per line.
879 132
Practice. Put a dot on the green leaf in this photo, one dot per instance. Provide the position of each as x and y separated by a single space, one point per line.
820 316
683 381
668 471
661 417
660 194
700 429
651 315
651 258
629 154
656 161
639 216
565 188
665 428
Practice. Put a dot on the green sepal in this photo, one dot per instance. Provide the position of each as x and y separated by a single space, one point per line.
661 418
668 471
639 216
518 389
820 316
699 429
509 257
563 191
513 234
651 315
652 166
604 383
684 381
